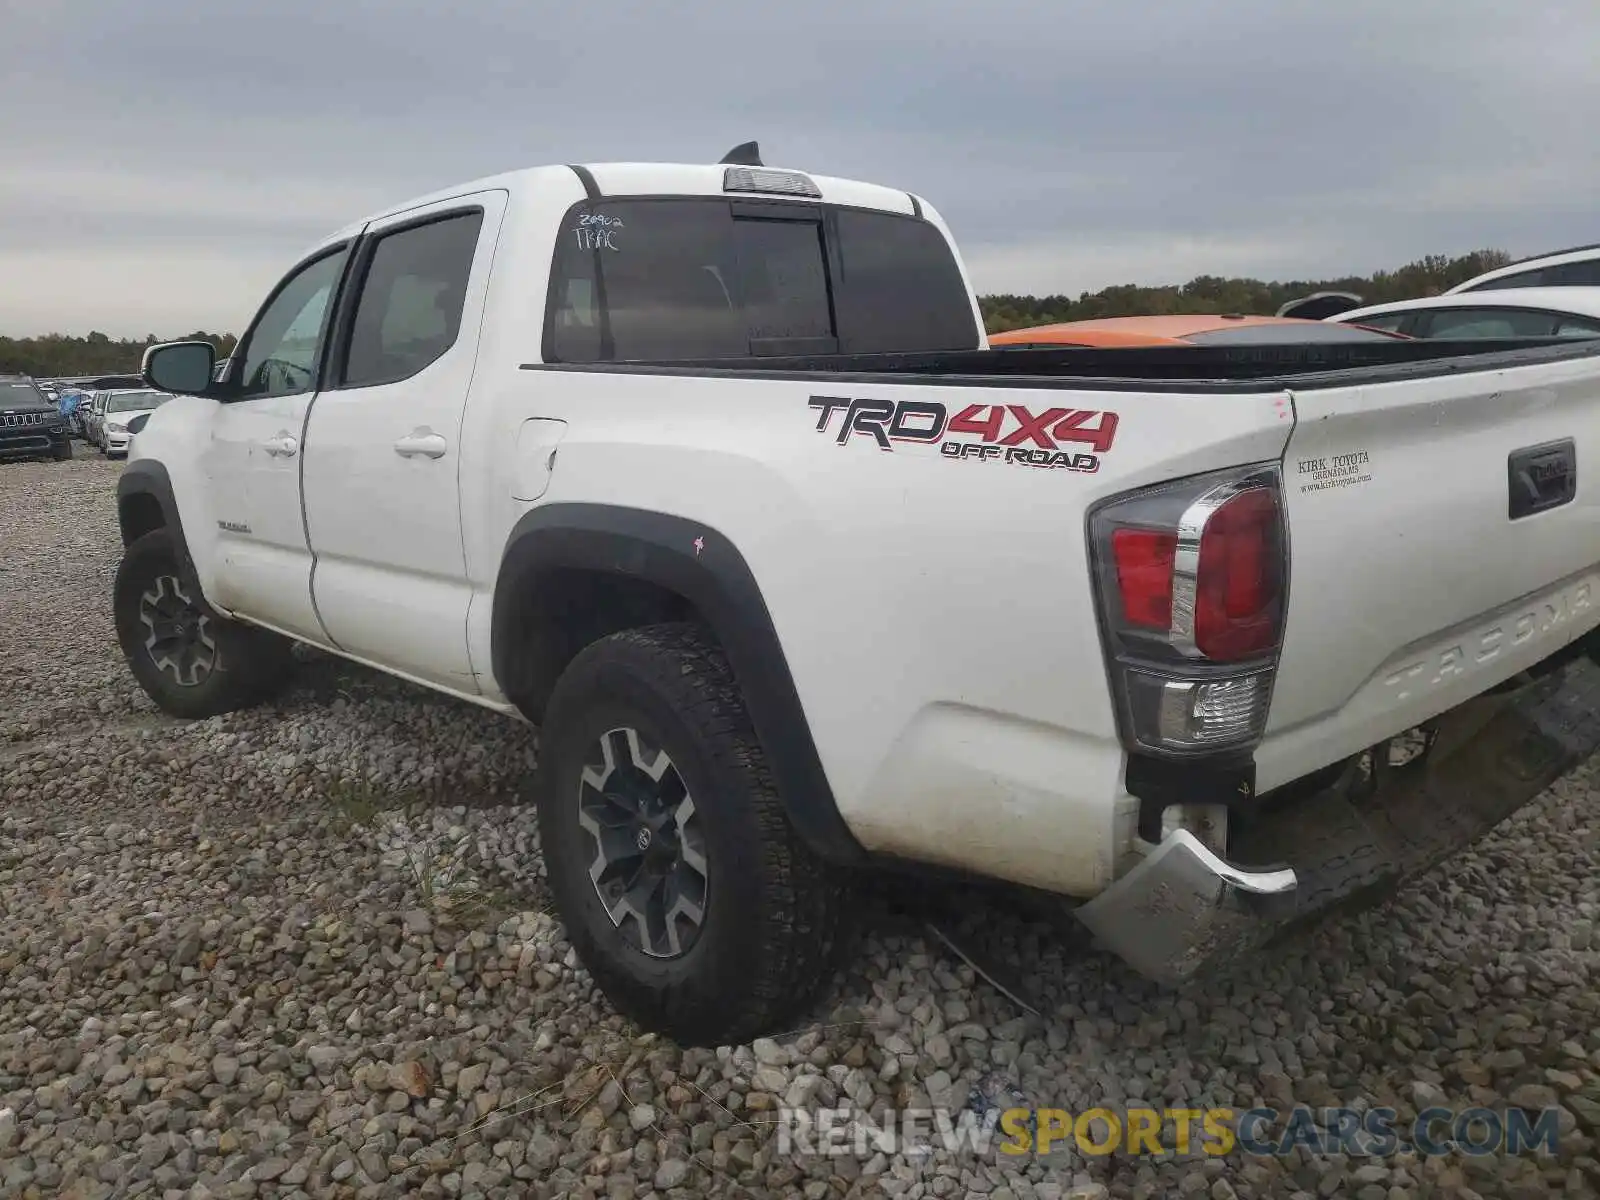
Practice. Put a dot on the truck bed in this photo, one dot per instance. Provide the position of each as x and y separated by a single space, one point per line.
1177 368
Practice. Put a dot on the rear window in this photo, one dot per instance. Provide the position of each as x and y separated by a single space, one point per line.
1272 335
649 279
137 401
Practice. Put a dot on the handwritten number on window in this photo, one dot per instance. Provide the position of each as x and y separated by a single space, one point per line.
597 231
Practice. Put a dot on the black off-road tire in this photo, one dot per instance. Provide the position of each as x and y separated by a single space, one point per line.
63 452
241 667
773 911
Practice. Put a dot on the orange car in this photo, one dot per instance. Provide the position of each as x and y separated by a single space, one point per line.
1229 329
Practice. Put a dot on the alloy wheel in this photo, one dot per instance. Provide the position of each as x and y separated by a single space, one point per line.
647 849
178 637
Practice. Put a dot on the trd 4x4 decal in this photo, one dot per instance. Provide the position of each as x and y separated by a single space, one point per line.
1010 433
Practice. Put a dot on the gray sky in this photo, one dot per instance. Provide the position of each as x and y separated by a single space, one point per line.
164 161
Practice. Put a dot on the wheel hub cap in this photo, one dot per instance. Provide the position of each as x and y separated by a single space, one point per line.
177 633
647 851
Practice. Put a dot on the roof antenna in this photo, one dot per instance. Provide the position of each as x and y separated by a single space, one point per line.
746 154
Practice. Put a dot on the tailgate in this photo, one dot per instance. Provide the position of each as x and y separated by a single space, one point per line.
1444 534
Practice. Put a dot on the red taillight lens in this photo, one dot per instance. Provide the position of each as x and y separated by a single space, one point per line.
1191 579
1144 576
1238 584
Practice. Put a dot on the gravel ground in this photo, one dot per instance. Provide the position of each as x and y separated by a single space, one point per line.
306 950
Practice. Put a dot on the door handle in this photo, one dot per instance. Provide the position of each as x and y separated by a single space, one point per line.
422 441
282 446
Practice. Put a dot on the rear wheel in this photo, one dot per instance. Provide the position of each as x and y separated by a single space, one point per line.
682 885
189 659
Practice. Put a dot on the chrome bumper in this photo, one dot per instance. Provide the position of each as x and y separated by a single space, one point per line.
1184 909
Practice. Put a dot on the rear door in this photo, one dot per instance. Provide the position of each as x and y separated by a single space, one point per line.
382 448
1444 535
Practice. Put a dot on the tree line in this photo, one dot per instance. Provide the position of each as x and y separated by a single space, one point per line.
59 354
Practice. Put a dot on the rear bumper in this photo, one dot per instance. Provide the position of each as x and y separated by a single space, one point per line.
1183 911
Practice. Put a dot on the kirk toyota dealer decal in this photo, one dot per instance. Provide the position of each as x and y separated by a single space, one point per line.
1071 439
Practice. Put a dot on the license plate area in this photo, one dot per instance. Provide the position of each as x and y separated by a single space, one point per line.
1541 477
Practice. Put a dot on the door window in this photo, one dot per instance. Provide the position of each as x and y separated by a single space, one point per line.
412 298
1577 327
1465 323
283 348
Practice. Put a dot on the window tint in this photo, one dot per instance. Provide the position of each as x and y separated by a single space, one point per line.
137 401
1285 335
1522 279
664 272
280 356
677 279
899 288
1488 323
1577 327
412 297
784 285
1574 274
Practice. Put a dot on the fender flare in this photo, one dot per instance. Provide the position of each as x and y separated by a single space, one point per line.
694 561
146 477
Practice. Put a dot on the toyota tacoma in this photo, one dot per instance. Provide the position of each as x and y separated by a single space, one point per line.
708 472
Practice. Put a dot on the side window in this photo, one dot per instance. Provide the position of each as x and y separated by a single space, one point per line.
1575 274
1577 327
898 287
412 296
1467 323
1522 279
280 354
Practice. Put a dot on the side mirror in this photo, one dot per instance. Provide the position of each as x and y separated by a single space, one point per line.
181 367
138 423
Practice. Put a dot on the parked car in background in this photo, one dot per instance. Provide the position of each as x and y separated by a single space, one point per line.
120 408
1319 305
1227 329
91 416
30 422
1577 267
1520 312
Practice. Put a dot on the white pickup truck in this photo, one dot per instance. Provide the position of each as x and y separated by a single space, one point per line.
708 472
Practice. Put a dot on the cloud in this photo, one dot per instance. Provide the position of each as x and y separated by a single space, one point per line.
176 156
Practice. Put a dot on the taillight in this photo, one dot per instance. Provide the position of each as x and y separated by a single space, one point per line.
1192 579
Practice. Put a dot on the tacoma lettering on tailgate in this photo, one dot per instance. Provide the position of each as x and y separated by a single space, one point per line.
1488 642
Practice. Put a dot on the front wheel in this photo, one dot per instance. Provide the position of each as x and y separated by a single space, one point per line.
683 887
192 661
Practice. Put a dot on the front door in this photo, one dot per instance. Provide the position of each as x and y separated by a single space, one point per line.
383 447
263 565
